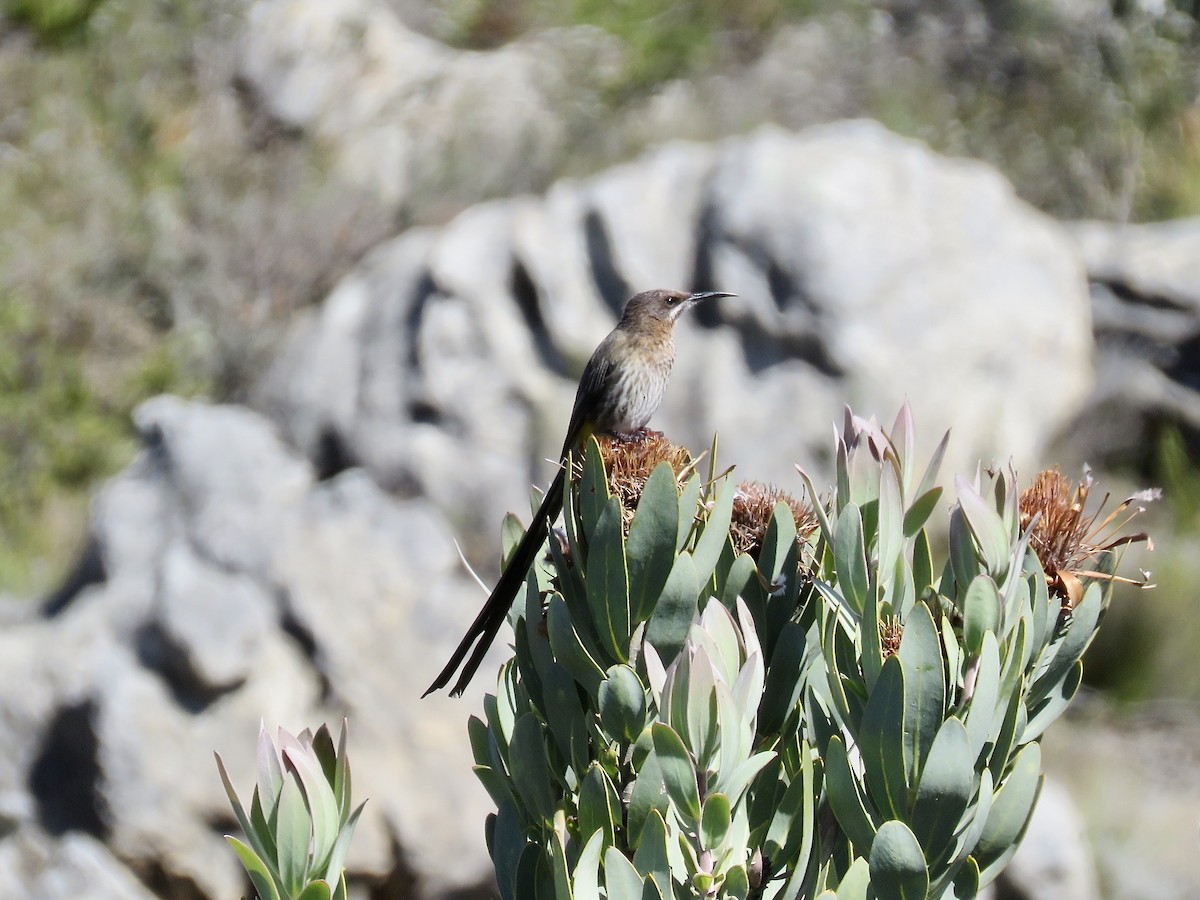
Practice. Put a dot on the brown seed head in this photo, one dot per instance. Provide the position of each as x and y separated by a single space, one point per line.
754 505
628 461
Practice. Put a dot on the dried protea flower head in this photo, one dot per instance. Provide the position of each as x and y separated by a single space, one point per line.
1067 538
753 505
629 460
891 630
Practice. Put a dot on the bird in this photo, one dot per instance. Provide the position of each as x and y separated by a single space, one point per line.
621 388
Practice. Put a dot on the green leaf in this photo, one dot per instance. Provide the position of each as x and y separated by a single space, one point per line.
261 877
650 547
337 859
292 833
569 649
1053 705
716 532
316 890
783 687
621 879
898 870
891 520
678 772
565 720
945 789
856 882
649 793
593 488
244 820
651 857
322 805
668 626
849 552
919 512
981 612
789 839
1080 630
586 884
881 740
922 566
507 847
981 709
965 885
558 857
608 582
599 806
689 501
963 561
622 702
1011 810
715 819
849 804
924 686
987 526
529 767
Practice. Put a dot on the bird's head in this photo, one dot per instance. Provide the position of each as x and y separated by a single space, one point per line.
659 305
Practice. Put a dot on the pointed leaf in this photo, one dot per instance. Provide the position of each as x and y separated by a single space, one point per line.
260 875
846 797
668 626
678 771
621 879
650 547
924 686
882 738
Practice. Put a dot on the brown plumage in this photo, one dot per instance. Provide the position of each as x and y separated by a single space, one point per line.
621 388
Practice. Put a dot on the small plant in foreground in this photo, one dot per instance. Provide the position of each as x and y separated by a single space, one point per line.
299 824
815 711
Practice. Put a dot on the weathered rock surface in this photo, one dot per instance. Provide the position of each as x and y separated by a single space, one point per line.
869 270
1145 287
236 589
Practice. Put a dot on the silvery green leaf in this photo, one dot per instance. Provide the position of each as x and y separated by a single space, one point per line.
651 857
569 649
856 882
248 828
782 687
718 632
507 845
990 534
1012 726
981 612
621 879
678 772
789 839
668 626
608 581
1053 704
293 832
649 793
898 870
689 502
853 809
924 686
891 520
650 547
965 885
715 535
922 566
701 721
599 806
849 551
945 789
622 703
1079 631
814 502
881 740
737 885
593 488
981 709
565 718
558 857
334 872
263 879
1011 810
586 884
530 769
920 510
963 562
734 782
716 815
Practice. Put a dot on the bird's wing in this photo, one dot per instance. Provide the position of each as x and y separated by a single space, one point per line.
594 384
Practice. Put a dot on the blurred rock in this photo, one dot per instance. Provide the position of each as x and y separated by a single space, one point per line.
869 269
238 590
409 117
1145 287
1054 861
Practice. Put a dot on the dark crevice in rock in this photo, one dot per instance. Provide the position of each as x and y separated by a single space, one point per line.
291 625
610 283
525 292
159 652
332 455
424 412
88 570
403 882
172 886
420 408
65 776
707 315
1127 293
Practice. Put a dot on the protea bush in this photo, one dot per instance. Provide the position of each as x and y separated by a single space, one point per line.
300 822
720 690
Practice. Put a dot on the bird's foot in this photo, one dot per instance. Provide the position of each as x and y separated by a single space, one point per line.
636 436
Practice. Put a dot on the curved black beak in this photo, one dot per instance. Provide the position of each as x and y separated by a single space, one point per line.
708 295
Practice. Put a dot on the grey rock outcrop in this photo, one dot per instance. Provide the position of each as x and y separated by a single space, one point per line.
1145 287
869 270
236 589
